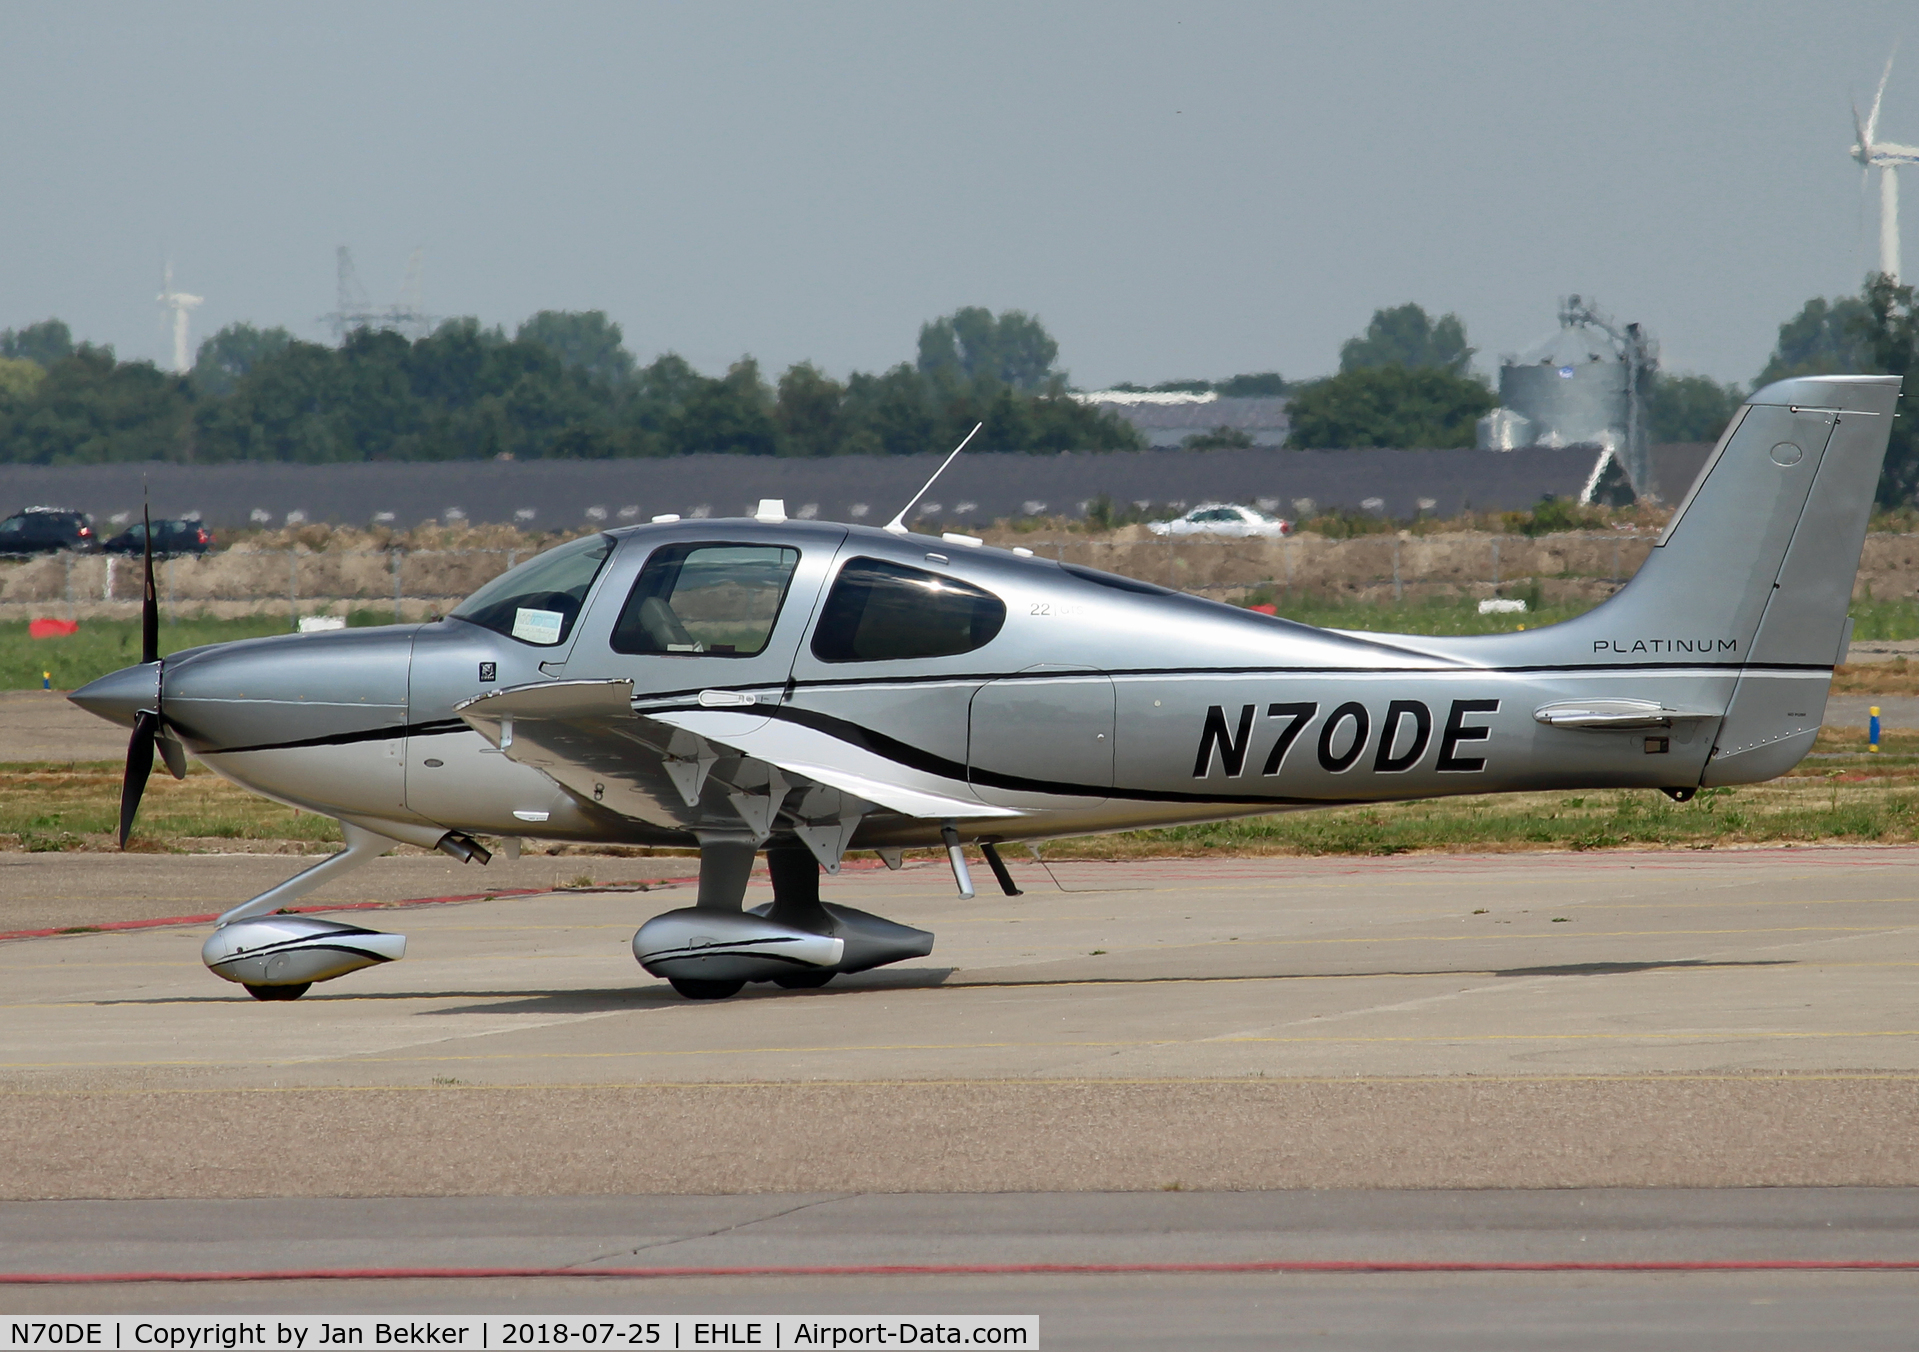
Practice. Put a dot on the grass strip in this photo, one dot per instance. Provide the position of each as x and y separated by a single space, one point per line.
76 806
1841 793
101 646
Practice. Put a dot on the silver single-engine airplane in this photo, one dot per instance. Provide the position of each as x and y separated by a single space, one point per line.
806 689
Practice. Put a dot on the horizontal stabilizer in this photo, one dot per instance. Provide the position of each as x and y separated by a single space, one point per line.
1616 715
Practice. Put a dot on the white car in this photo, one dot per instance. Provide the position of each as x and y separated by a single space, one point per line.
1223 518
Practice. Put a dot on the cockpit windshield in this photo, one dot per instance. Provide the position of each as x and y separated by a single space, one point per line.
539 601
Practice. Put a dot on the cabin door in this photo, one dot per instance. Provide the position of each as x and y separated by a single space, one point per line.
1043 738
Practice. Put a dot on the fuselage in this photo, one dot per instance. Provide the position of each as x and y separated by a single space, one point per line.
1063 699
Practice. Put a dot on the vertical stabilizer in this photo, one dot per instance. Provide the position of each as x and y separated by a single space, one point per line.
1757 564
1755 570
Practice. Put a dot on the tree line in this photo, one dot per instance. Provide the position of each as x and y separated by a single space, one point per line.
562 386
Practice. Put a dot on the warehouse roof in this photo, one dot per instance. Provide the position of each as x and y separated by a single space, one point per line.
978 488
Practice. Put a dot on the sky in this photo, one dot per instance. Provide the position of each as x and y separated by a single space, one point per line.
1177 190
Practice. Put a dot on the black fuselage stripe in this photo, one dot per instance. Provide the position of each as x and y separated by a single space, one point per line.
928 762
443 726
277 950
917 758
437 728
964 678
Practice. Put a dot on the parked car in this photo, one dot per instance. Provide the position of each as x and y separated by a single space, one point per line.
47 530
1223 518
169 537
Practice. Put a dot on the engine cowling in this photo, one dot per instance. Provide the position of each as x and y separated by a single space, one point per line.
295 950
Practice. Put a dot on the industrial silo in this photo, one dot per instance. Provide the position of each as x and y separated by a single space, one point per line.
1584 385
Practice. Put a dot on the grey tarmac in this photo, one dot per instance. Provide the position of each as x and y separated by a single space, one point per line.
1492 1310
39 725
56 890
1691 1055
1852 711
1696 1019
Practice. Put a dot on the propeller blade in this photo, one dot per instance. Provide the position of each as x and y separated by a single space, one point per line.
149 602
1872 118
172 753
139 765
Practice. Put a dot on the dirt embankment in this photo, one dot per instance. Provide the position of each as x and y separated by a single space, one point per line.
320 570
1585 566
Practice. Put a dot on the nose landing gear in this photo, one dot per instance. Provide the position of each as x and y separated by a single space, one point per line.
279 957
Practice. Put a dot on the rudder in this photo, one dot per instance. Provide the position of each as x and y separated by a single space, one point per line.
1795 476
1755 570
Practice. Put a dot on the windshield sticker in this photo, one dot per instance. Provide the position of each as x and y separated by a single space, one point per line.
537 626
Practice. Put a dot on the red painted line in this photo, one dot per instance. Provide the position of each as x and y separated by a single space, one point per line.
950 1269
107 926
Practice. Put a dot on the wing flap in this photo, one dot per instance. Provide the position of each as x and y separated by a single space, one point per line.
833 761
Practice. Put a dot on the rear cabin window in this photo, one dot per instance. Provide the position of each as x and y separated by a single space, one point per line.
705 600
886 612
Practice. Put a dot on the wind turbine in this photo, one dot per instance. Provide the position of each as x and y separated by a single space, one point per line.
181 304
1887 158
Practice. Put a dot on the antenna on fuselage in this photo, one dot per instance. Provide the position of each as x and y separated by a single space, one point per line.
897 525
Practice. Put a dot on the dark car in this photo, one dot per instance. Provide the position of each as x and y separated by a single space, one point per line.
169 537
47 530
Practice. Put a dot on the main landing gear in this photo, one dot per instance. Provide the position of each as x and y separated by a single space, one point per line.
293 992
712 949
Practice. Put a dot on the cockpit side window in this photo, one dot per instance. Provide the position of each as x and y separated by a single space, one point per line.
539 601
712 600
886 612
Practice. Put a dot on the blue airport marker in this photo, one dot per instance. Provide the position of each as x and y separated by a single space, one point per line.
1872 729
46 680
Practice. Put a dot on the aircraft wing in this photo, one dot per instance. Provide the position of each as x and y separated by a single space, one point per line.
702 768
820 756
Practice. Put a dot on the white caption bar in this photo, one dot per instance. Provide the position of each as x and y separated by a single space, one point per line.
723 1333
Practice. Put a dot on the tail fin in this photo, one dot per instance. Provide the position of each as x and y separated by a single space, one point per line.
1757 565
1761 554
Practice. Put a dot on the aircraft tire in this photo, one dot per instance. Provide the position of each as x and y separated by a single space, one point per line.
293 992
804 981
694 989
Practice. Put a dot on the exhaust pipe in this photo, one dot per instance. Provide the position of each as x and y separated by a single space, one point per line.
464 848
